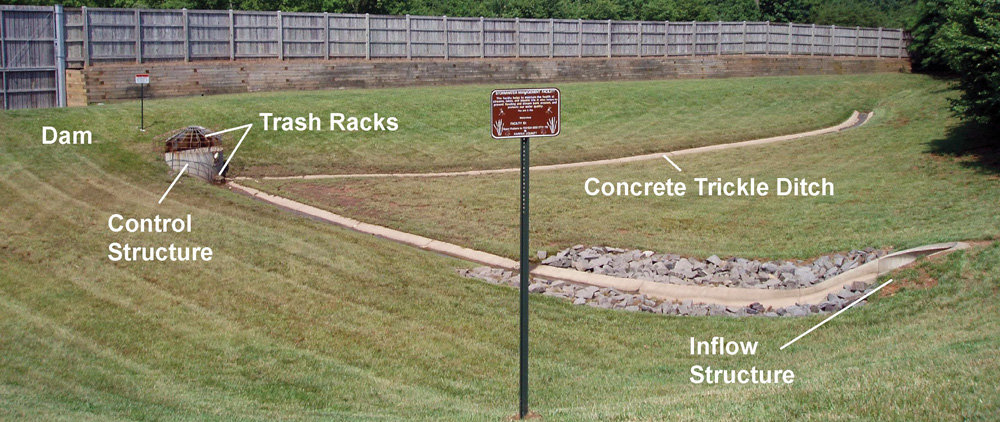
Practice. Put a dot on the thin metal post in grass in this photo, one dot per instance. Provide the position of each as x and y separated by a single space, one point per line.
523 408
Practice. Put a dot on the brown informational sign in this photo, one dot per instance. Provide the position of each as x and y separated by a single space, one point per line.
525 113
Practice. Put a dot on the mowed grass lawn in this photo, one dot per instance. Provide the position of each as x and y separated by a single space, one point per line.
448 128
298 320
898 183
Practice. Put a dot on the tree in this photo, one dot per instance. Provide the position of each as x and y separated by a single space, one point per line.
969 42
924 51
848 13
785 10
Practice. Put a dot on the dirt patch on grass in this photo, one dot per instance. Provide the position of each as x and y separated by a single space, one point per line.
341 197
923 280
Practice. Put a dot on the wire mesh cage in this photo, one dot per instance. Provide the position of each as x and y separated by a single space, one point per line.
203 155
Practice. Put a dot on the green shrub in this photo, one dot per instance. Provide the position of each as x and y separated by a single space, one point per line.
969 42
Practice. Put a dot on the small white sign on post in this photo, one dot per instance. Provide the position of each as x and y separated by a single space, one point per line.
142 79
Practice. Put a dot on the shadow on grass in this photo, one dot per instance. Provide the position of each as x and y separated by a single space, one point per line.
973 145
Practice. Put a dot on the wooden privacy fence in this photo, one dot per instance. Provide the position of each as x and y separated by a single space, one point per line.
30 61
106 35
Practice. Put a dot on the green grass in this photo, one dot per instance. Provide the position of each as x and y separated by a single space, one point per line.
447 128
892 189
299 320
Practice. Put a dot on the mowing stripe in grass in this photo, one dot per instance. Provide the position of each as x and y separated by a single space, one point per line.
856 120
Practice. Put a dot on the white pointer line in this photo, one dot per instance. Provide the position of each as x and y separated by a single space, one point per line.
835 315
172 184
672 162
248 126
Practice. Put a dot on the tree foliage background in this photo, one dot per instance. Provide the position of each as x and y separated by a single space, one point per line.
886 13
963 36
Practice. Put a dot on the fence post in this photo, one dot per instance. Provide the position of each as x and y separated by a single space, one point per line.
60 45
833 40
812 41
579 36
666 38
445 22
281 37
901 44
232 36
743 47
857 41
3 61
694 38
767 38
138 38
718 41
187 36
609 38
878 48
790 28
368 37
638 53
86 35
326 35
482 38
517 37
409 49
552 38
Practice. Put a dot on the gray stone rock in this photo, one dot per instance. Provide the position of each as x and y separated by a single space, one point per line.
587 292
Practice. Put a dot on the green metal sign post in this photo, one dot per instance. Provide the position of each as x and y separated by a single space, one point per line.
523 408
524 113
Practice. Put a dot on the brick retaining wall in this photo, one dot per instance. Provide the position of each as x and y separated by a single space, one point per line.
110 82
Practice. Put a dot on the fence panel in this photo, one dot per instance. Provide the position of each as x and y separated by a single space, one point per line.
566 38
596 38
162 35
893 44
500 37
255 34
464 37
73 23
347 36
28 63
303 35
730 38
112 34
680 38
387 37
534 37
868 41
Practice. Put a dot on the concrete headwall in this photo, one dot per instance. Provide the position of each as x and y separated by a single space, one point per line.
110 82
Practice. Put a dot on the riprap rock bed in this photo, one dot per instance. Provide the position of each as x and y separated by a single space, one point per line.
610 298
713 271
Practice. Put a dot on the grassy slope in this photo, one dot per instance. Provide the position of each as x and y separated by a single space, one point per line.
300 320
890 191
447 128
